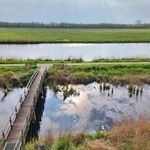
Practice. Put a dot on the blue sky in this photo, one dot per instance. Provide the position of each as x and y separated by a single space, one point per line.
75 11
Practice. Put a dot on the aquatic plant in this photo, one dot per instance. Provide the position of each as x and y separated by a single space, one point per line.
130 89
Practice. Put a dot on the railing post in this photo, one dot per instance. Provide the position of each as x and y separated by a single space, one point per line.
10 121
20 100
22 136
16 110
3 135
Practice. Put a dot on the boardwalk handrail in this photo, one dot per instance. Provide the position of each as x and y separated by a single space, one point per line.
32 78
23 132
12 118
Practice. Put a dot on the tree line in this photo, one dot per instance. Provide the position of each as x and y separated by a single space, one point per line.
73 25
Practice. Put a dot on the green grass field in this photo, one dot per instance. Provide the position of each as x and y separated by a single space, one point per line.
11 35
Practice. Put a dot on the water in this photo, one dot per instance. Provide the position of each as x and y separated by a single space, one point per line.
92 110
7 105
85 51
89 111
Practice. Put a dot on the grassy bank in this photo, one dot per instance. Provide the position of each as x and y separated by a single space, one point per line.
128 135
11 35
113 73
11 77
46 61
69 60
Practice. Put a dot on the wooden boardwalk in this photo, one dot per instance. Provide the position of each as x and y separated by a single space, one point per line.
19 128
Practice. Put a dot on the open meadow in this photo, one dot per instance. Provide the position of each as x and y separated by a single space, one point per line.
32 35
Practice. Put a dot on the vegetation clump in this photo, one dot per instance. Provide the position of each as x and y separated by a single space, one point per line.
135 90
127 135
9 80
117 74
11 77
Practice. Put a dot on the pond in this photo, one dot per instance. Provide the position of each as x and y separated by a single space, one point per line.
92 109
7 105
85 51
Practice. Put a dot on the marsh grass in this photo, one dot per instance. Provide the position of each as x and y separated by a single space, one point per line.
119 74
126 135
40 61
11 77
130 135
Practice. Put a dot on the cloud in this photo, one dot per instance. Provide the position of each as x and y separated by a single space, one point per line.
84 11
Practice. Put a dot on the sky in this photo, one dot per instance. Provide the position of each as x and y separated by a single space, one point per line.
75 11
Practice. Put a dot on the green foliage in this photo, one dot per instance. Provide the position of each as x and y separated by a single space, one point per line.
97 135
63 143
104 73
32 145
136 59
30 35
15 76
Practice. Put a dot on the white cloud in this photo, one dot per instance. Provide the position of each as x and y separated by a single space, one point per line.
85 11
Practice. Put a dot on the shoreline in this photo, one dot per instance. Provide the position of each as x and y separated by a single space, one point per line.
59 42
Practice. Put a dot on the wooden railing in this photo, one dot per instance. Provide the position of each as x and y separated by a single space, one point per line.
14 114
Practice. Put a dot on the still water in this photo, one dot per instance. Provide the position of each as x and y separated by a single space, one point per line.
92 110
7 105
84 51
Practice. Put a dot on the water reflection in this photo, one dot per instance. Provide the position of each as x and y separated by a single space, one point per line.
36 121
92 110
7 104
62 51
